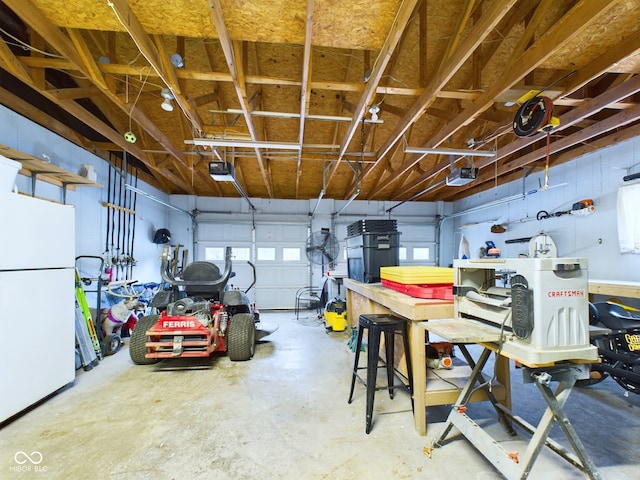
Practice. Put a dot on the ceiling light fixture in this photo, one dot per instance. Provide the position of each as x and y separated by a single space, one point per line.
168 96
167 106
177 61
374 110
451 151
270 114
219 142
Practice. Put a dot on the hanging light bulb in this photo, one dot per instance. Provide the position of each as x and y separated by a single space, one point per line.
166 105
373 110
177 61
168 96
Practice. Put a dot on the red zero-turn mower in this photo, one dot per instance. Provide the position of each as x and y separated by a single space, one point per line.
198 316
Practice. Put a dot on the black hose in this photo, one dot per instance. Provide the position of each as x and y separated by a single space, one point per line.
113 214
121 204
118 242
125 233
133 229
106 240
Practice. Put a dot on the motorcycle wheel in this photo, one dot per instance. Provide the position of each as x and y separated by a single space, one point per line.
622 345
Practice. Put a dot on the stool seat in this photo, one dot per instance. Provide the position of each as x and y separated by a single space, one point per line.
378 324
383 321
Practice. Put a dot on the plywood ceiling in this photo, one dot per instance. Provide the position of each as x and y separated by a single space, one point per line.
444 74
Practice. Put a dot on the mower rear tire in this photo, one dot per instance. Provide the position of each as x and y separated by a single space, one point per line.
241 337
137 344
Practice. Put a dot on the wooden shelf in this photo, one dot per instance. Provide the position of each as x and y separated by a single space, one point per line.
40 170
444 386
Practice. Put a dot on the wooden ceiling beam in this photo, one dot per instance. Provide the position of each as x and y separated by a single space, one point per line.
391 41
423 44
572 117
210 76
478 33
39 45
73 108
625 117
237 75
572 23
14 65
33 17
75 93
603 63
90 65
155 54
569 26
567 120
530 30
454 39
106 107
305 90
580 149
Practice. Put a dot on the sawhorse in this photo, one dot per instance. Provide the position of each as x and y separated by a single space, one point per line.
510 464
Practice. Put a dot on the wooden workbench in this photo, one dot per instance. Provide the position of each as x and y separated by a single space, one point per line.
615 288
428 389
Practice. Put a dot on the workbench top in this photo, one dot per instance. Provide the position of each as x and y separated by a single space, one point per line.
416 309
615 288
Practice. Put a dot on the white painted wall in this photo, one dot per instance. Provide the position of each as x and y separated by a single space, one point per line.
21 134
225 210
595 176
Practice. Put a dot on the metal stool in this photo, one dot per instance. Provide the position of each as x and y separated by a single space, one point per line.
390 326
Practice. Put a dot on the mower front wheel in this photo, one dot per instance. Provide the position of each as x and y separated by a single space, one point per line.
241 337
137 344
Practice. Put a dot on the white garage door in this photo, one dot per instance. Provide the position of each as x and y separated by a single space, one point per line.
276 249
214 237
281 262
417 243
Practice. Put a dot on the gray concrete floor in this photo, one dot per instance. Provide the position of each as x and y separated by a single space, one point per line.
283 415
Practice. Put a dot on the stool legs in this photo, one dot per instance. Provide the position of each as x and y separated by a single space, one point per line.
372 371
375 329
355 363
407 357
389 340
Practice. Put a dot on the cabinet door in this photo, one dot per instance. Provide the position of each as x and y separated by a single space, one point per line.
35 233
37 323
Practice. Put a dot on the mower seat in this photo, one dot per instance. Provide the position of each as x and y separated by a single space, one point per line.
207 272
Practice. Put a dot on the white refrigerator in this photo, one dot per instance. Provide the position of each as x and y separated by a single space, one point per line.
37 300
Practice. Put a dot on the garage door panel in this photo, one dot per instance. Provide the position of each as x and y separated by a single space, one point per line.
276 298
286 277
281 232
282 276
224 232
